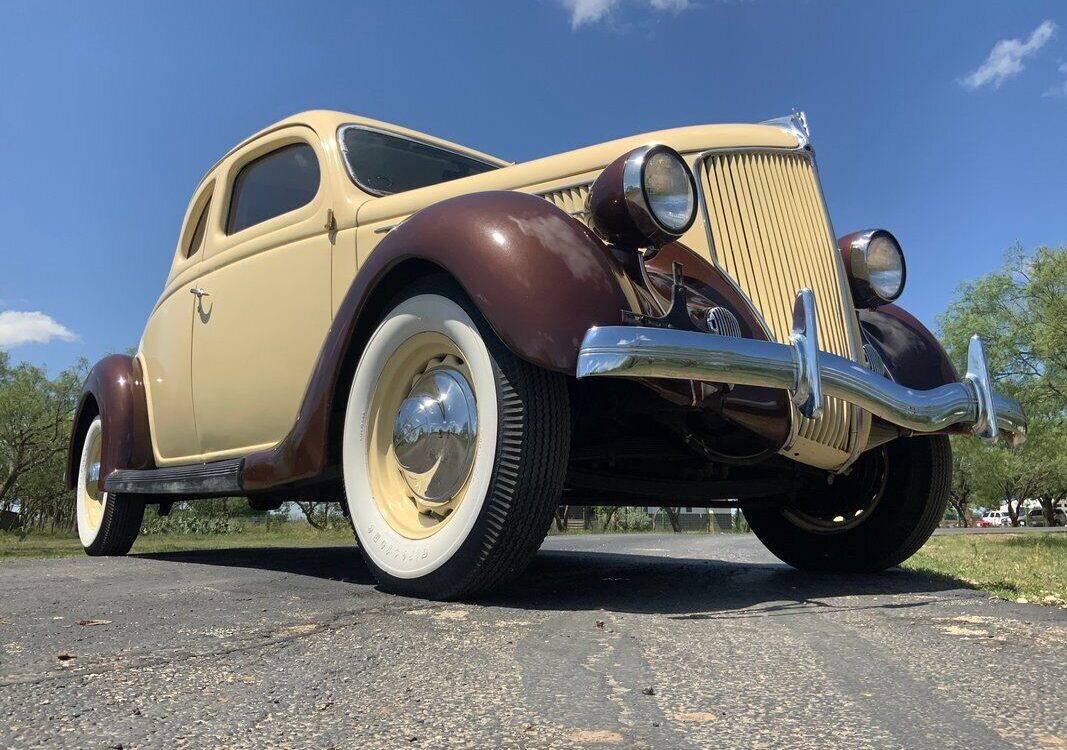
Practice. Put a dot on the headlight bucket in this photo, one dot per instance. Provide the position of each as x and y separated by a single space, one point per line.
875 266
645 198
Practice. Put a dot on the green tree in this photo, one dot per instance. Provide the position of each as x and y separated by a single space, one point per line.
35 421
1020 311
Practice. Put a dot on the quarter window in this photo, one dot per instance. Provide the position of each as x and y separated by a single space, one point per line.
272 185
196 241
382 164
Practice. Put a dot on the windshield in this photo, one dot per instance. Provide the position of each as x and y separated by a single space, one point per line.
383 164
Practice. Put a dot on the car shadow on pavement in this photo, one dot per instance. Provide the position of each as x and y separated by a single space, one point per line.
331 563
686 588
697 589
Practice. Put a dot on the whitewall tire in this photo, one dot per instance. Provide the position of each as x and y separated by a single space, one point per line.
108 524
453 449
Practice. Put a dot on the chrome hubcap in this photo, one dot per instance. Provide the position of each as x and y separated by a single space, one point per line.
435 435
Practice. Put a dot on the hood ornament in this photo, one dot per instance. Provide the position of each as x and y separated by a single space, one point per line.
795 123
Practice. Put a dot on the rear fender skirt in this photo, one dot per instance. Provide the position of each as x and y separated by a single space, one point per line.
540 277
115 391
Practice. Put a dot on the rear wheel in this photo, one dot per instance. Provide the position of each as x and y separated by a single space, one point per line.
108 524
876 517
454 449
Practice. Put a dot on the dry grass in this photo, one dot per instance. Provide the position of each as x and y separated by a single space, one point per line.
293 534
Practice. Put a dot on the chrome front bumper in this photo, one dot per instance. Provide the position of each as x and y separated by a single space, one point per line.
806 372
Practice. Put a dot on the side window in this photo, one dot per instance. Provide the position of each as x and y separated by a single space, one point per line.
196 240
274 184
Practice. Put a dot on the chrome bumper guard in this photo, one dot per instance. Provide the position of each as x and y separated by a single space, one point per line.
806 372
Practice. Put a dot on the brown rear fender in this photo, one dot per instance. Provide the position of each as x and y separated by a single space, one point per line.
540 277
115 391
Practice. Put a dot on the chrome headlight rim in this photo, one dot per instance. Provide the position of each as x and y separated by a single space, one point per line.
619 207
865 291
635 187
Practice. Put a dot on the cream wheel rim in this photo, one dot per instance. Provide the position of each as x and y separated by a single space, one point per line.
422 435
91 500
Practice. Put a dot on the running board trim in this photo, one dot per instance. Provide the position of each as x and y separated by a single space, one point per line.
215 478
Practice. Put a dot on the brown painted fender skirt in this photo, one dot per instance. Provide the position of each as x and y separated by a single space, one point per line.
913 355
540 277
115 391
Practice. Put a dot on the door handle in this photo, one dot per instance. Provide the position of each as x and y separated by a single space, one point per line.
200 293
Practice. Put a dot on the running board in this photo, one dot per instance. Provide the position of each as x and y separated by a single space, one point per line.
215 478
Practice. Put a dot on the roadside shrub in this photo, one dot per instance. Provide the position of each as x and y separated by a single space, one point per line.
190 524
632 519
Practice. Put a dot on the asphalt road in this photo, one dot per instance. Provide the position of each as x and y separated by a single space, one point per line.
705 642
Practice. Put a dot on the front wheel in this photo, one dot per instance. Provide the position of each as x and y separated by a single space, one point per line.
454 449
876 517
108 524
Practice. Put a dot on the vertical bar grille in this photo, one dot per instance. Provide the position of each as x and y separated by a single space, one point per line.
770 234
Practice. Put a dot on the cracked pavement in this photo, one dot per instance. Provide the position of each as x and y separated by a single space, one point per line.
672 641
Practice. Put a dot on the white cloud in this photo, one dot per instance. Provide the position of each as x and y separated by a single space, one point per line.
1060 90
671 5
592 11
30 328
1006 58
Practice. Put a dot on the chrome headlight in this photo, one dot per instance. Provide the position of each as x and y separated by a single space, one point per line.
645 198
875 266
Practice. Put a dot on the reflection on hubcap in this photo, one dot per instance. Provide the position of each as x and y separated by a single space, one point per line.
435 434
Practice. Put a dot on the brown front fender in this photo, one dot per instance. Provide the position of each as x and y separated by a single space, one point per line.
115 391
538 276
913 355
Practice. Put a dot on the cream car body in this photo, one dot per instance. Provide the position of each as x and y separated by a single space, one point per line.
449 344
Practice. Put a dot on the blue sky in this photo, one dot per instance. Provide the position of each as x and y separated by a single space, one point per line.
944 122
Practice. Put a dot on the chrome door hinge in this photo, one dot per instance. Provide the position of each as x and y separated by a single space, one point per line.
331 221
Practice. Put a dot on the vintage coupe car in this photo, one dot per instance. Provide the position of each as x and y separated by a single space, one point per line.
450 345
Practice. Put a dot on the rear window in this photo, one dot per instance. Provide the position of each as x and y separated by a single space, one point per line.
382 164
272 185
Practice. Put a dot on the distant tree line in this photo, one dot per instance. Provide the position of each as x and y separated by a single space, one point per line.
1020 311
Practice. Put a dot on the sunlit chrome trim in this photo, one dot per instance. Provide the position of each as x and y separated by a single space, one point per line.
636 197
435 435
641 352
807 392
795 123
864 295
985 426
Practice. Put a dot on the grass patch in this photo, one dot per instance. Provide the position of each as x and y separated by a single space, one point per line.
1030 567
290 534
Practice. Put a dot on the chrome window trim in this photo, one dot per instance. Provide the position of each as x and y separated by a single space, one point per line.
342 129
